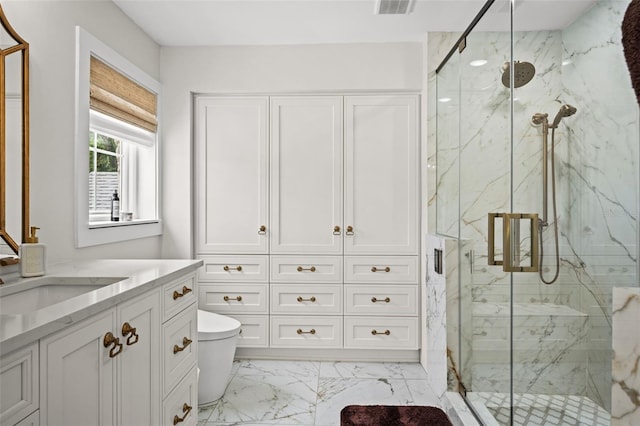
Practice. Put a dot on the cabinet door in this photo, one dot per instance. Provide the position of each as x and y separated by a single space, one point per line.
231 160
306 174
78 375
381 163
139 364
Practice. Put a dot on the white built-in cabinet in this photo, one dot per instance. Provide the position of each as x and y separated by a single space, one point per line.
233 184
306 175
132 364
335 263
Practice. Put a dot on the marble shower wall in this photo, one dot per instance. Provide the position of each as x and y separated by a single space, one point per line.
600 167
596 167
625 410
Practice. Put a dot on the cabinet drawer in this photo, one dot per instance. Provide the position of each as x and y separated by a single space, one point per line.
306 299
179 347
234 298
311 269
306 332
177 295
32 420
181 406
381 333
248 269
19 384
384 269
254 332
381 299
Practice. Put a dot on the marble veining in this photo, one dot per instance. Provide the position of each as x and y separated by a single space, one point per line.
625 409
263 392
597 163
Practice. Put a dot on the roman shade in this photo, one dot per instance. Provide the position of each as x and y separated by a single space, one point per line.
116 95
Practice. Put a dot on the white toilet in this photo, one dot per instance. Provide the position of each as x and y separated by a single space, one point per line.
217 337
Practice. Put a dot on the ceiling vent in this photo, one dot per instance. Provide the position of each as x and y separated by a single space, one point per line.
393 7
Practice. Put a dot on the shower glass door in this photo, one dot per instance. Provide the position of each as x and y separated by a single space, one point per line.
543 119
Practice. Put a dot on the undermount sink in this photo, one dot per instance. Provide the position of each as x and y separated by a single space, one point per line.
47 291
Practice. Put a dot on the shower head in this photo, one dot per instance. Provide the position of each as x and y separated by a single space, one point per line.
523 72
566 110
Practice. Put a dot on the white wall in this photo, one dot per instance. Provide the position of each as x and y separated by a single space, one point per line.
49 28
260 69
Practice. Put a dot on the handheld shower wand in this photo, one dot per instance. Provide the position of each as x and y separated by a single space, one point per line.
566 110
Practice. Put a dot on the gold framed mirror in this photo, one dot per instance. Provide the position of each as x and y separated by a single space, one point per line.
14 138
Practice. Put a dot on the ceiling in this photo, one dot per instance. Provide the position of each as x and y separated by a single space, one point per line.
259 22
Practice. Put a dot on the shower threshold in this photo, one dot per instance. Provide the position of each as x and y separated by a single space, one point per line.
538 410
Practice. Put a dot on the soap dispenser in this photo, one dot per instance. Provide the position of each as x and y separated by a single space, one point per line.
32 256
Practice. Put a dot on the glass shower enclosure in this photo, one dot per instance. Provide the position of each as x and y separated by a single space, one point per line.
537 180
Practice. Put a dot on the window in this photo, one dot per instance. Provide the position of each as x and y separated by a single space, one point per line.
116 146
121 158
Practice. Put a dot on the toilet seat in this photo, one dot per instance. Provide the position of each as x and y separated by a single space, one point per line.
212 326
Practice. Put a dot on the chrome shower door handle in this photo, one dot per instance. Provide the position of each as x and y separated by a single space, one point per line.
511 241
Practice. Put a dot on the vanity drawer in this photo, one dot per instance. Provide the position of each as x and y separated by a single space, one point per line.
306 299
179 347
247 269
381 299
310 269
234 298
177 295
19 383
380 333
254 332
306 332
181 406
381 269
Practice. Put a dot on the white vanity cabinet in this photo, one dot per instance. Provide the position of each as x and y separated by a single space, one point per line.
19 383
105 369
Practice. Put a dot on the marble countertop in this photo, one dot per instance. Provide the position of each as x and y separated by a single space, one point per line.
137 277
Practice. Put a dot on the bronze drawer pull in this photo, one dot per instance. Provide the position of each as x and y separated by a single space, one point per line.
376 332
386 269
300 269
311 299
262 230
185 291
186 409
185 342
237 268
312 331
375 300
237 298
336 230
109 339
128 330
349 230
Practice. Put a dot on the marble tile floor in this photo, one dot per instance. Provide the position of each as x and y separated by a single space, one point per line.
312 393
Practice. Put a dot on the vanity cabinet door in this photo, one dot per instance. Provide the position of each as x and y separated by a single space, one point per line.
87 382
77 374
138 380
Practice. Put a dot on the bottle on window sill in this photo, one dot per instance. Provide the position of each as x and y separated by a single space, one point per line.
115 207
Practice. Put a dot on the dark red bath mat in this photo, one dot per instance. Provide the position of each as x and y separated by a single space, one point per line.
393 415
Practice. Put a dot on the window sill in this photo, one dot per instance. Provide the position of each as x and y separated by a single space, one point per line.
96 233
110 224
